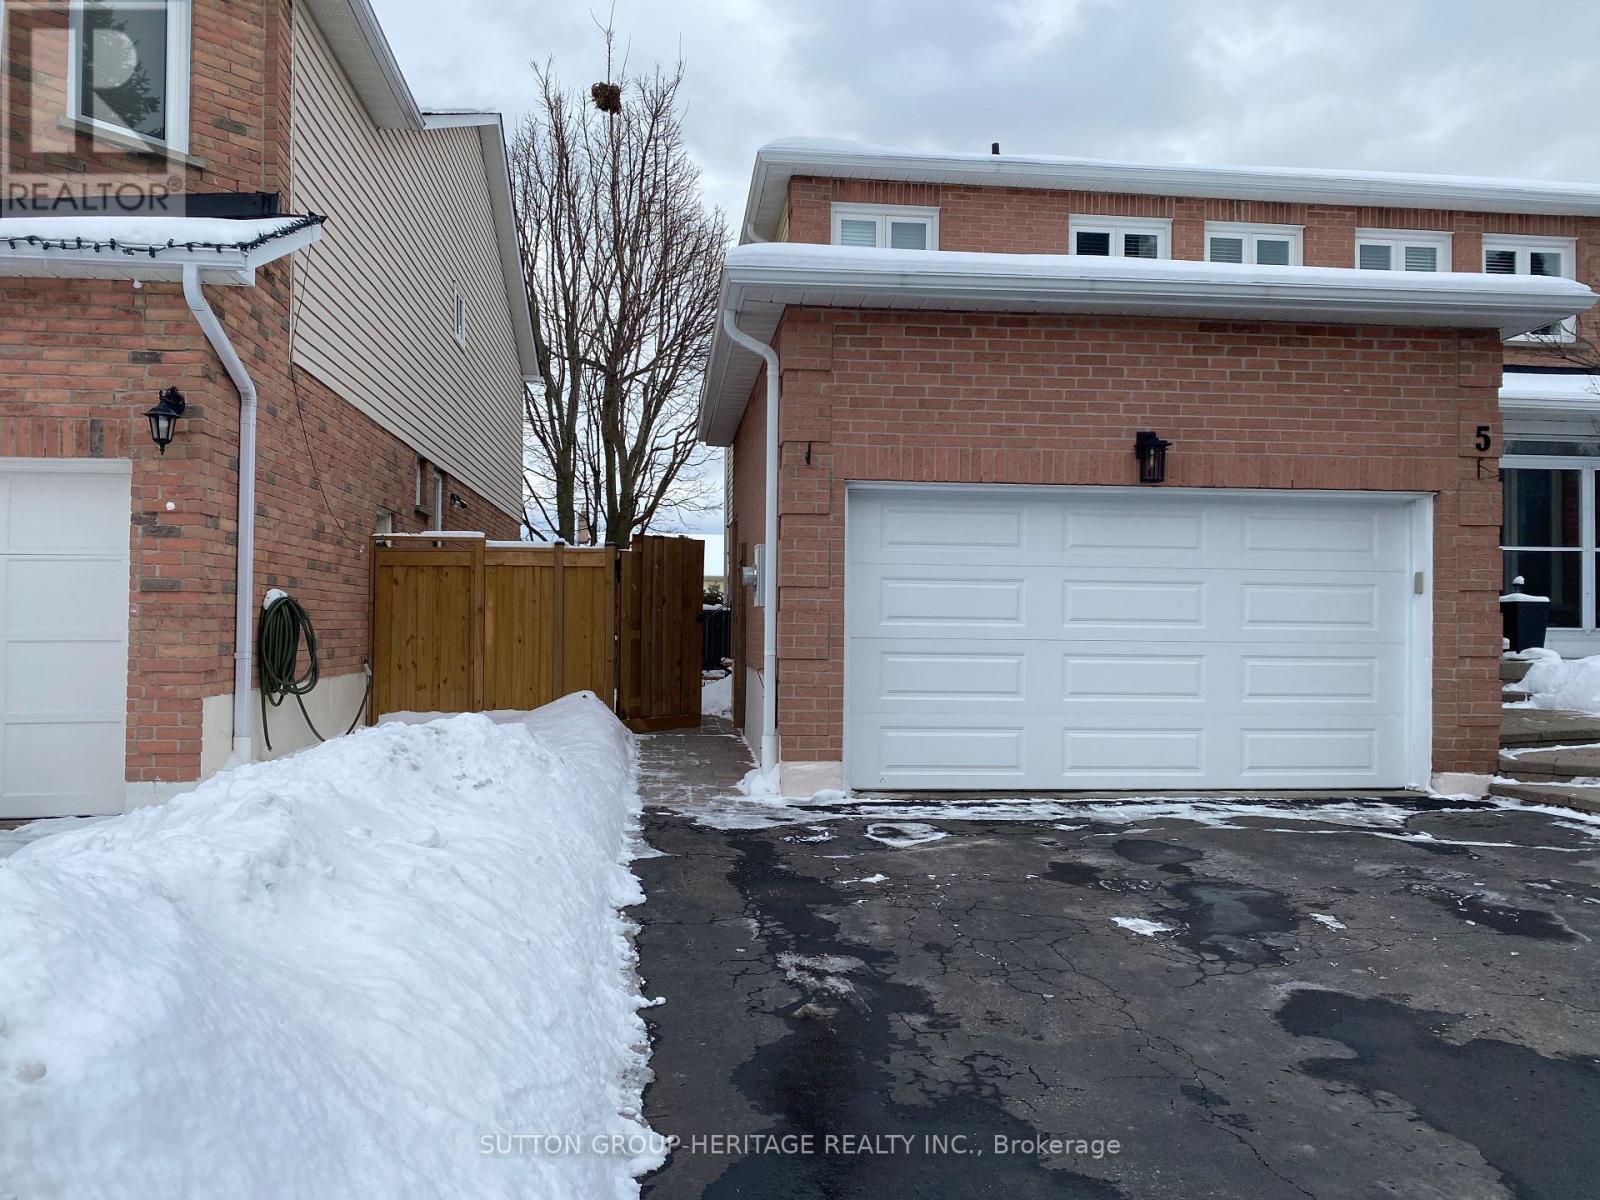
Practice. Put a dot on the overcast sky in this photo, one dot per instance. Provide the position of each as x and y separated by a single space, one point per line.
1456 86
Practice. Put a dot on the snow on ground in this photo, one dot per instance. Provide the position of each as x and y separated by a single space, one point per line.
1141 926
1572 685
375 968
716 697
1331 922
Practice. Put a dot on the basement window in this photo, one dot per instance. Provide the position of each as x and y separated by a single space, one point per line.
128 69
886 226
1551 256
1120 237
1254 245
1402 250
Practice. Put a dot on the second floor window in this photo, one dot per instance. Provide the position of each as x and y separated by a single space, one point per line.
1255 245
1120 237
1402 250
1505 255
891 226
129 69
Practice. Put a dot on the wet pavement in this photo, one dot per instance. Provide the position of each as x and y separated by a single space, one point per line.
1249 1001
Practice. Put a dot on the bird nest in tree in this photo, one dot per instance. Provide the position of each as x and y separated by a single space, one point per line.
607 97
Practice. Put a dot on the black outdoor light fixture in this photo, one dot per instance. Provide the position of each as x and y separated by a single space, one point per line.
1151 451
164 417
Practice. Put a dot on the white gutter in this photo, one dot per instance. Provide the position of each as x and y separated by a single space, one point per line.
768 583
244 573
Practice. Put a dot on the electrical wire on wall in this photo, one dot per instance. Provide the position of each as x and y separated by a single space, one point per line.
284 624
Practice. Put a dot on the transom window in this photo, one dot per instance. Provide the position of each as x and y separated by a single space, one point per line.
1256 245
1402 250
893 226
1549 535
1505 255
1120 237
129 68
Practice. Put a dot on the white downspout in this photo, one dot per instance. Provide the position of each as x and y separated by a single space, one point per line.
769 580
244 572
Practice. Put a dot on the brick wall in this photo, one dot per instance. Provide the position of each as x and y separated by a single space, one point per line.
79 363
892 396
1035 221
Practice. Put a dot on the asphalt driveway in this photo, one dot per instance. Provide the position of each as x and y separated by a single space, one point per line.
1284 1000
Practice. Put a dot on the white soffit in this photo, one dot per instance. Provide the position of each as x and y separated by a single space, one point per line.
760 281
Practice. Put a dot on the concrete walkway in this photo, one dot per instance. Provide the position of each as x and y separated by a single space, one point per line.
1284 1000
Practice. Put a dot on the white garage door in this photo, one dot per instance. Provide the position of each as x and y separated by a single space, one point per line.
1058 639
63 636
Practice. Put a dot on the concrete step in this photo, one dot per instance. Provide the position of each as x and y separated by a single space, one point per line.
1513 670
1558 764
1546 727
1581 799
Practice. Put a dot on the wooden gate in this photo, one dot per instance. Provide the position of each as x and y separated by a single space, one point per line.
659 634
461 625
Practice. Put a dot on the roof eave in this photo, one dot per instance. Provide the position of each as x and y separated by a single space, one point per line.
227 268
1466 307
358 42
776 163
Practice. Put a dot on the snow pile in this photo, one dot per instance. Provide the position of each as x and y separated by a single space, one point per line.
1572 685
342 973
716 697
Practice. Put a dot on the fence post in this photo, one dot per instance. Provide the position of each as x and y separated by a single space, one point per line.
559 624
478 639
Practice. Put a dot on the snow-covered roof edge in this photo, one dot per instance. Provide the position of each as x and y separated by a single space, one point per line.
759 281
1550 391
150 248
778 161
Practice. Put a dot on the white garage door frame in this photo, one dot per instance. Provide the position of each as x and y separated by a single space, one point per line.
77 777
1418 666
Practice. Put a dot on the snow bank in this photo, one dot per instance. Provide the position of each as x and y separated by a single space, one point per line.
337 974
716 696
1572 685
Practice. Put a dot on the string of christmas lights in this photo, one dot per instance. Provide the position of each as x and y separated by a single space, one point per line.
153 251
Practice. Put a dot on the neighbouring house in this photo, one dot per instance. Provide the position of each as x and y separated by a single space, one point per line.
252 205
932 373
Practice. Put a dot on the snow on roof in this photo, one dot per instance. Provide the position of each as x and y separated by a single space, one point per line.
148 235
150 247
778 161
1551 390
760 281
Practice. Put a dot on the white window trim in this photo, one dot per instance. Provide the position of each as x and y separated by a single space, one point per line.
1398 239
1251 232
1522 244
461 320
883 214
1116 227
180 72
437 508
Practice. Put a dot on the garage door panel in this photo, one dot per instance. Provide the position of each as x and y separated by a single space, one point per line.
63 636
1177 638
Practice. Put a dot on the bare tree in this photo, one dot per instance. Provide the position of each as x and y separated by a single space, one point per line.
621 260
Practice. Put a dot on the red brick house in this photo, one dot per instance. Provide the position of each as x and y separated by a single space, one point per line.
262 218
973 587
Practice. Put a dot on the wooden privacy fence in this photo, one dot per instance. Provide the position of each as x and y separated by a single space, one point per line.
464 625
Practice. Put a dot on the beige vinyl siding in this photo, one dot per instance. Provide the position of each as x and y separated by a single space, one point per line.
409 226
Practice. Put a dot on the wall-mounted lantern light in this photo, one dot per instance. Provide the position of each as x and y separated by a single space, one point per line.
457 502
1151 451
164 417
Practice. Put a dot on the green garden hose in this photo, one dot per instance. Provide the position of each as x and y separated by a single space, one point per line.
282 626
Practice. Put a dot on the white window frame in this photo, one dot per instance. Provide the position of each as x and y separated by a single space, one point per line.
180 73
1523 245
461 320
1398 240
883 214
1116 227
436 512
1252 232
